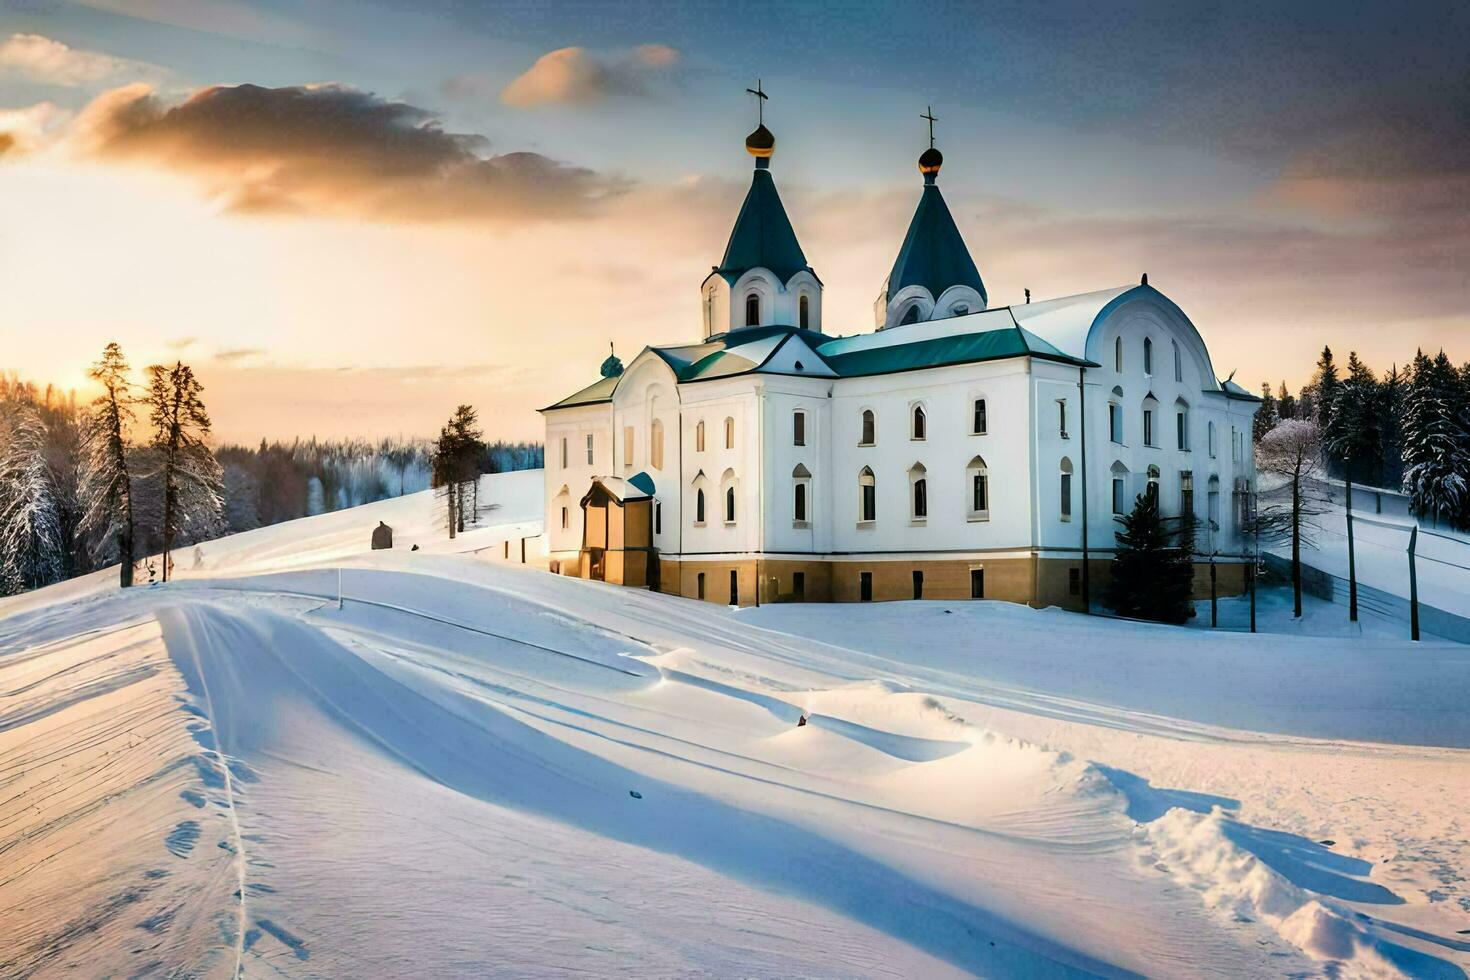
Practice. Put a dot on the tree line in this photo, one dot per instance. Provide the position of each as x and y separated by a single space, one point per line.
134 474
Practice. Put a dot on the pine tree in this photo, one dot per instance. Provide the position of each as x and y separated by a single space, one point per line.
1294 450
1391 437
1266 416
469 446
1285 404
107 492
191 481
1152 577
1436 444
32 543
1353 434
1324 386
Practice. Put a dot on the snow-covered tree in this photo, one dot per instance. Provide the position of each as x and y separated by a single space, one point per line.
1391 436
1353 433
1294 450
191 481
1436 443
1324 387
32 542
1285 403
107 495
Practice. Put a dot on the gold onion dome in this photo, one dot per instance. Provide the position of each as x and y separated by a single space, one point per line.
761 143
930 161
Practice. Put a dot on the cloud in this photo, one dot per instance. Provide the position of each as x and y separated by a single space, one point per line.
576 76
38 58
27 130
333 150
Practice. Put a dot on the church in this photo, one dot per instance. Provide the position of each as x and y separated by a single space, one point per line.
958 450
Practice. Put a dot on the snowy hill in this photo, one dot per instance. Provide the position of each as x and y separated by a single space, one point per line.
474 768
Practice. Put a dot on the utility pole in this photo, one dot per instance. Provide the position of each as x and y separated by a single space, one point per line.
1413 586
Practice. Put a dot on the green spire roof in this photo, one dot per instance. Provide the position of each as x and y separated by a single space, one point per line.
763 236
933 254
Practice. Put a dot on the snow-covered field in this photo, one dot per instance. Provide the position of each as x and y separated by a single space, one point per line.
475 768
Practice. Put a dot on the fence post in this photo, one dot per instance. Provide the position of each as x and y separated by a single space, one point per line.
1214 597
1352 565
1251 571
1413 586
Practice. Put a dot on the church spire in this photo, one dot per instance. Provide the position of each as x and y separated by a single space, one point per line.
933 259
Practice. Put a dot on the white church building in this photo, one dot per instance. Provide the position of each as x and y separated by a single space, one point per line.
957 451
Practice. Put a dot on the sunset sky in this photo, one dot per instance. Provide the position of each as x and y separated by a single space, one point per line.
352 216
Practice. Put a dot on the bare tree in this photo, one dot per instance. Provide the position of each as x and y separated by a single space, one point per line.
107 492
1293 449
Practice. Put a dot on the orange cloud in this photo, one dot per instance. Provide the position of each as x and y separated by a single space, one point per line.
333 150
38 58
576 76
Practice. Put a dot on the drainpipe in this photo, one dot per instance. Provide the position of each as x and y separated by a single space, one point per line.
1082 433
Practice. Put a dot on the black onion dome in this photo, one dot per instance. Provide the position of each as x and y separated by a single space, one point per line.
761 143
930 161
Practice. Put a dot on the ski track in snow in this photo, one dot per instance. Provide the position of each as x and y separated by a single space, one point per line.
470 769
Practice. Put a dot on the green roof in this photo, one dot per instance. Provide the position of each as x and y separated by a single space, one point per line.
934 254
597 392
763 236
960 348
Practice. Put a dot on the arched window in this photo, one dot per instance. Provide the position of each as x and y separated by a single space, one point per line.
1115 416
656 444
1148 356
1213 503
1178 362
699 437
868 428
1120 488
919 420
867 496
699 506
1181 424
1065 509
729 505
729 433
801 481
803 312
752 309
911 315
978 421
1152 488
918 493
1118 354
977 489
1150 411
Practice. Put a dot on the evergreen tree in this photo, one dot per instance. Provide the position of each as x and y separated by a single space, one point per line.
32 543
1266 415
107 490
1324 387
1353 434
1285 404
1391 441
191 482
469 445
1436 444
1294 450
1152 576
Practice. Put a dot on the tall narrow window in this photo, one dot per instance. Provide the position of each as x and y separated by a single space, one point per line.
803 312
1212 503
918 493
1181 426
798 428
699 585
658 517
977 583
1120 495
798 503
868 429
752 310
729 505
729 433
563 452
1148 356
865 586
919 421
1118 354
699 506
589 449
656 444
798 586
1066 489
1115 422
699 437
1148 427
627 445
867 496
801 480
565 519
978 423
977 477
1062 417
734 588
1186 497
1178 362
1210 438
918 584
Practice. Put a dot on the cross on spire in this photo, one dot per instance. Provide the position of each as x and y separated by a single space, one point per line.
760 102
928 114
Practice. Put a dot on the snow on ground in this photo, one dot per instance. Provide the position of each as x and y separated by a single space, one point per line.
475 768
